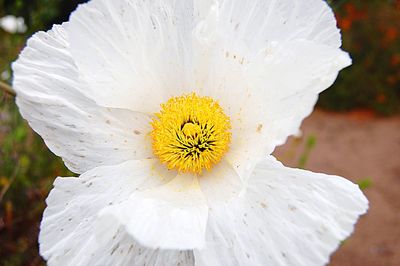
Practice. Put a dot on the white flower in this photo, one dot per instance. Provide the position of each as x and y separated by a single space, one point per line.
235 78
12 24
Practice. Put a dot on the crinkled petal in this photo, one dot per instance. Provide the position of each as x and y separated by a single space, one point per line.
287 217
128 51
121 250
74 127
298 71
172 216
258 22
268 98
267 82
221 183
68 228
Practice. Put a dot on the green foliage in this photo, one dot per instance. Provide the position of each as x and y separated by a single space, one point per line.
308 147
365 183
371 34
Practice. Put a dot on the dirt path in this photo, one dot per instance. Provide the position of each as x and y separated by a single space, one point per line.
359 146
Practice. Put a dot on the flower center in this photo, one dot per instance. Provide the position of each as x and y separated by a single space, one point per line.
191 133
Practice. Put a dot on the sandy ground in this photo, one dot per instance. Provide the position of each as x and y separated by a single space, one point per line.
359 146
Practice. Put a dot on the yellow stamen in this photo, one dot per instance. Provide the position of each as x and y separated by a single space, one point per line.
191 133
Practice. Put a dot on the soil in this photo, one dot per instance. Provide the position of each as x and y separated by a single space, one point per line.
358 146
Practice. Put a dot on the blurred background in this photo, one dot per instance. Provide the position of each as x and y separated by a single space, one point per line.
355 132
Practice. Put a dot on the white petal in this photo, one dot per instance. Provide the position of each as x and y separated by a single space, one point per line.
287 217
129 51
221 183
121 250
287 83
258 22
268 98
172 216
266 62
67 235
73 127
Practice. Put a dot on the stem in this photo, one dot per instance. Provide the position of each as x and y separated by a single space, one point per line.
7 186
7 89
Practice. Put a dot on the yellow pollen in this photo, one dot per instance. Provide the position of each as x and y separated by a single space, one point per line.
191 133
190 129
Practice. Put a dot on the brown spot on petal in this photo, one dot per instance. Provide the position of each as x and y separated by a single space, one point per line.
137 132
259 128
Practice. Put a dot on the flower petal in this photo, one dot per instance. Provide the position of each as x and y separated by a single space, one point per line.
172 216
221 183
298 71
287 217
67 235
268 98
258 22
121 249
128 51
73 126
266 77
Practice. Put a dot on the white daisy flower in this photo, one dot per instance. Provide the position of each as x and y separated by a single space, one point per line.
169 110
12 24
